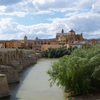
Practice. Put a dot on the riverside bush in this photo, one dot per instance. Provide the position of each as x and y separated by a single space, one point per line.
78 73
58 52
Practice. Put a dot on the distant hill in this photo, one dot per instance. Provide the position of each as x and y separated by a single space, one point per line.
90 39
98 39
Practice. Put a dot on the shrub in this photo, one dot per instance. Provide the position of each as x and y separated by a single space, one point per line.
57 52
78 73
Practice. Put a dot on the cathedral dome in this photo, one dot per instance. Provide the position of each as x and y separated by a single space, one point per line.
71 32
25 36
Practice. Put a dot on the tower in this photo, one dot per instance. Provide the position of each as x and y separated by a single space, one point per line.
25 39
36 39
81 37
62 31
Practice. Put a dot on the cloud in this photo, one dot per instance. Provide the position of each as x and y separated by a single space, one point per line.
18 14
88 23
18 31
82 16
92 34
47 6
85 22
96 7
12 30
36 7
9 2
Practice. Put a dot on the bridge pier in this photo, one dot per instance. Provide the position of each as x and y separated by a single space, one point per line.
4 89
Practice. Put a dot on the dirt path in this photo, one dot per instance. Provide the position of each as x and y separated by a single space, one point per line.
87 97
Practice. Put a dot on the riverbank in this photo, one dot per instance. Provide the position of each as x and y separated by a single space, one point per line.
95 96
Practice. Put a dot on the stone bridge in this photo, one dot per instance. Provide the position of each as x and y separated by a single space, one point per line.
12 62
8 55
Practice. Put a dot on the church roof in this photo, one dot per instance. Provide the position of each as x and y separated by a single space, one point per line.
64 34
25 36
71 31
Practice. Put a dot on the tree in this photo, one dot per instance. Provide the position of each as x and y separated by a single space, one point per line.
57 52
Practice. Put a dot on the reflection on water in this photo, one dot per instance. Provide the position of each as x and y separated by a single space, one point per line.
34 84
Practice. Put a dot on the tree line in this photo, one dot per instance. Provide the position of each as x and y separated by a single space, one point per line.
58 52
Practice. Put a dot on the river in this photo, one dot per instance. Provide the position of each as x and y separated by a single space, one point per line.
34 84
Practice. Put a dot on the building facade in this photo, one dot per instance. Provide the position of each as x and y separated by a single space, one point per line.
69 37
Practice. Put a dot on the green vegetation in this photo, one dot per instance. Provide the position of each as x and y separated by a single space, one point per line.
57 52
78 73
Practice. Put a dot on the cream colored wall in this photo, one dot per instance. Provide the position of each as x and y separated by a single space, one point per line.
1 45
61 38
45 47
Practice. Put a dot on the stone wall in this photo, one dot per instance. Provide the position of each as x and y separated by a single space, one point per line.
45 47
8 55
4 89
21 64
12 75
14 61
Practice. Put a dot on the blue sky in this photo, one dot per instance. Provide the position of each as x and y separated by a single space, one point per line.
44 18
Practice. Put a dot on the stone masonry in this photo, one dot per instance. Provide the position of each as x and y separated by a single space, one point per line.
4 89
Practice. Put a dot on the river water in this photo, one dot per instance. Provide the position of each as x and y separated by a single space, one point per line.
34 84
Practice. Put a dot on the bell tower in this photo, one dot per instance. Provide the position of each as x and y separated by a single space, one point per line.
62 31
25 39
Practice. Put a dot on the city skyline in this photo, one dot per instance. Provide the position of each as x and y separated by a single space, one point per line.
45 18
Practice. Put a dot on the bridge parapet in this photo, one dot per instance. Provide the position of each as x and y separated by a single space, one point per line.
8 55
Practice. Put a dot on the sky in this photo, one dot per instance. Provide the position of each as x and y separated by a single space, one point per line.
45 18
